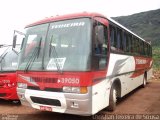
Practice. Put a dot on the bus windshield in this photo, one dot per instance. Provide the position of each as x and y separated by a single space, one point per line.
61 45
8 60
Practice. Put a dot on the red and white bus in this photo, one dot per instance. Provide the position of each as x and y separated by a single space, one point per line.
80 64
8 66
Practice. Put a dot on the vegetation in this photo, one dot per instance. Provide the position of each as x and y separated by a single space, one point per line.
146 25
156 57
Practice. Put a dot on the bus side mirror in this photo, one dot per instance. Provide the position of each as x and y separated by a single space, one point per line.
100 34
99 39
14 41
18 39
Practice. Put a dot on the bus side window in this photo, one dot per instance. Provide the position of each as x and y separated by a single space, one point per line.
127 43
119 40
138 46
145 49
150 51
100 47
113 38
142 48
143 52
124 42
131 45
134 46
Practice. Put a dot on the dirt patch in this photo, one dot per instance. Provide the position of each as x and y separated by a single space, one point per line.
143 101
156 75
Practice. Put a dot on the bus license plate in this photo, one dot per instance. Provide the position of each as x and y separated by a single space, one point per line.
45 108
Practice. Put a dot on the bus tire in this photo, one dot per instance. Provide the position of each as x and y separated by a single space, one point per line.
112 99
144 81
16 102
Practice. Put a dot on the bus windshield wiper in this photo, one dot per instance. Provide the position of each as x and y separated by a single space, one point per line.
2 56
34 55
52 50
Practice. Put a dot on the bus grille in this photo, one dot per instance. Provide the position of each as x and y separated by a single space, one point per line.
44 80
46 89
33 87
3 94
45 101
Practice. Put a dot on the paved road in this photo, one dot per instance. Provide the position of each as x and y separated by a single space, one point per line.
140 101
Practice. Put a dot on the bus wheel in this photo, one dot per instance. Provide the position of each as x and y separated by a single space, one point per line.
144 81
112 99
17 102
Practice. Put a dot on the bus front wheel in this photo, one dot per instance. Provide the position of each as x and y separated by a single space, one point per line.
112 99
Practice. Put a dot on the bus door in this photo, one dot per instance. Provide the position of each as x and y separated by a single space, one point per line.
100 55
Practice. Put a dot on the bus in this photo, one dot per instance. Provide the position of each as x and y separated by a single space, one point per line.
80 64
8 66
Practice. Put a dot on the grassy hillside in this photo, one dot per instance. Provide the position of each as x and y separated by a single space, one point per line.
147 26
156 57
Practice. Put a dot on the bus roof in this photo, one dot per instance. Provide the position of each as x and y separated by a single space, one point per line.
64 17
79 15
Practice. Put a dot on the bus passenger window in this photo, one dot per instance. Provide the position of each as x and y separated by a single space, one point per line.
141 47
119 41
125 42
113 38
138 46
143 52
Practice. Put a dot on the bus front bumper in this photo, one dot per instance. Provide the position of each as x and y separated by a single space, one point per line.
71 103
8 93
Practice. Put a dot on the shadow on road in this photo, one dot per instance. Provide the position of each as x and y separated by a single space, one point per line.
42 115
9 102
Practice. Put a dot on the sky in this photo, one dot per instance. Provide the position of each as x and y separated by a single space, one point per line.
16 14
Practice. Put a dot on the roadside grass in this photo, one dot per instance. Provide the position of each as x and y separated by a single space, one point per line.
156 58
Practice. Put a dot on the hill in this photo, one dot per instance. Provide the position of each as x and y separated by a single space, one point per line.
145 24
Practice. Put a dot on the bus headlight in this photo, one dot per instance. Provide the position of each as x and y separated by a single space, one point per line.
81 90
22 85
67 89
76 89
